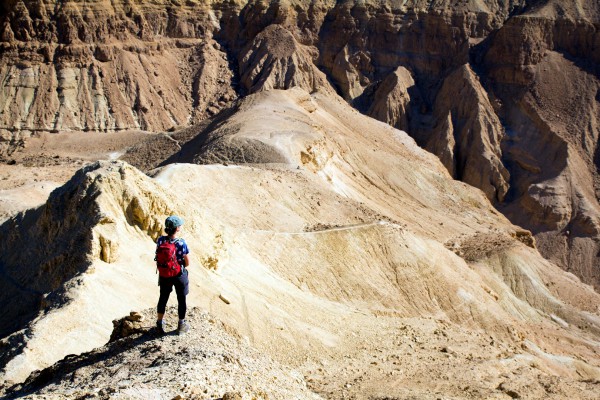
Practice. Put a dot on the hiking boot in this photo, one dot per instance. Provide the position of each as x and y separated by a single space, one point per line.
160 327
183 327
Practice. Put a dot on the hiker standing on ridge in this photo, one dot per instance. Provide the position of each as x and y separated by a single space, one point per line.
171 260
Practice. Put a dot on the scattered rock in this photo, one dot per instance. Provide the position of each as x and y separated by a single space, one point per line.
224 298
127 326
135 317
211 361
513 394
525 237
232 396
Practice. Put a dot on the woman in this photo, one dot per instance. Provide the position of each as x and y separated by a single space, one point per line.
178 278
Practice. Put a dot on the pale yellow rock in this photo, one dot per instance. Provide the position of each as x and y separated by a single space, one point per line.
336 253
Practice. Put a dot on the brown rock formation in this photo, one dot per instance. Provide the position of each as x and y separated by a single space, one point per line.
62 238
391 100
102 66
542 70
468 139
275 60
118 65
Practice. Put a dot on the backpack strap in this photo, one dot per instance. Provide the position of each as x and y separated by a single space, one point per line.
175 241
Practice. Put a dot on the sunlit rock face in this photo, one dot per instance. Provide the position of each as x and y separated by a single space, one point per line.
506 94
489 87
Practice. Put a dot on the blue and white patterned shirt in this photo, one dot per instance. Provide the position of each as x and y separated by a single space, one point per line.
180 245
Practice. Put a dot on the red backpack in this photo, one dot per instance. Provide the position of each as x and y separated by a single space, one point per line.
166 259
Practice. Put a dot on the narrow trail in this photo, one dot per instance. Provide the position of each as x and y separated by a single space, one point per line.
329 230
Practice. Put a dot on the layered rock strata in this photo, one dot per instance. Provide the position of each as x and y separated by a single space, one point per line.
476 83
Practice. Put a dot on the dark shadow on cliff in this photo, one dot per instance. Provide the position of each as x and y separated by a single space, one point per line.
597 165
41 249
200 138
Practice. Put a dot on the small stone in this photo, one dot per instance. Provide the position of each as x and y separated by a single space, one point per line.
224 299
232 396
135 316
502 387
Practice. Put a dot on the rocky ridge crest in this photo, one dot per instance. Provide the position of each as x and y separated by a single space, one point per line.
105 66
210 362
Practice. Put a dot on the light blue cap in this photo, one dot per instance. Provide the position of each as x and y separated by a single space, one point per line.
173 222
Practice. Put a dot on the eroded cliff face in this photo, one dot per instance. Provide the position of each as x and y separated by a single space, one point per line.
107 66
505 93
471 133
541 69
104 65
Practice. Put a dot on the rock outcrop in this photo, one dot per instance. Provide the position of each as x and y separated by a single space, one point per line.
392 101
541 70
64 237
104 67
468 134
275 60
211 362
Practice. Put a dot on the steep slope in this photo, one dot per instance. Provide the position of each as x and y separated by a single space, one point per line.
547 94
353 234
161 65
471 133
104 67
210 362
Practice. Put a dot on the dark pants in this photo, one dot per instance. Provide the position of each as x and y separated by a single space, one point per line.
182 288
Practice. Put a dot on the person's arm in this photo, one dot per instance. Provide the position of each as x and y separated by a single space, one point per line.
185 250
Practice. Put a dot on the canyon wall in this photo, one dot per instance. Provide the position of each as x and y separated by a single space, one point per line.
505 93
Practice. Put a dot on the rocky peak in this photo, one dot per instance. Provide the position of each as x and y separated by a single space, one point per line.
69 232
275 60
211 361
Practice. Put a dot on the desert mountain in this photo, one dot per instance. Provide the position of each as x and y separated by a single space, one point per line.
505 93
328 241
375 263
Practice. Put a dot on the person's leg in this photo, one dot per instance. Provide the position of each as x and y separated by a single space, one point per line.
182 289
181 299
166 286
